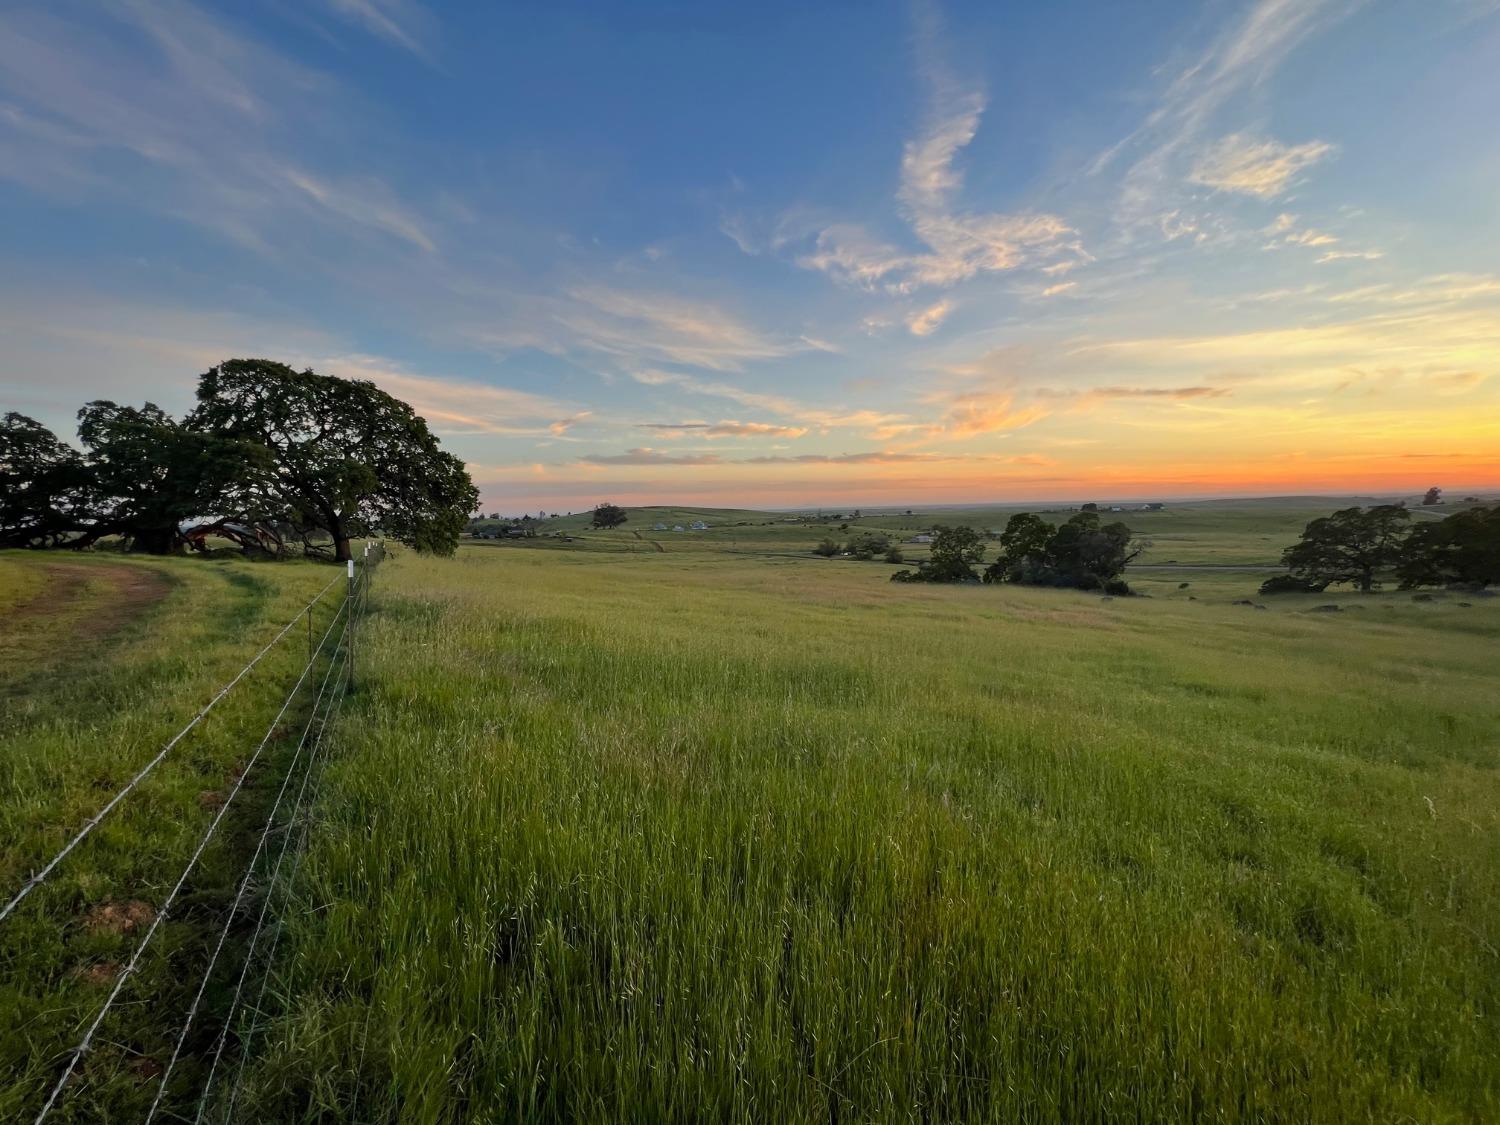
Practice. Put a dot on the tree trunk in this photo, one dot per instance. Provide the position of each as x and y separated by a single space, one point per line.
154 541
343 552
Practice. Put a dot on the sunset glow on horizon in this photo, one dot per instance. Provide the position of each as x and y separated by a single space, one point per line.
785 255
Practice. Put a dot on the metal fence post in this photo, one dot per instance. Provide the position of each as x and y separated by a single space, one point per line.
349 621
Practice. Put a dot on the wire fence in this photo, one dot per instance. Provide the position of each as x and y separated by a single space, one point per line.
334 652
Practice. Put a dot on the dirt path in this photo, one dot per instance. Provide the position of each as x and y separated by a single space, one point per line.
79 601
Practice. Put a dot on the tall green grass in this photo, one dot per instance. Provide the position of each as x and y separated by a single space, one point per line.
654 837
88 694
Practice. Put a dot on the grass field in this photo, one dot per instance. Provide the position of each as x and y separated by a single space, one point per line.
1219 532
725 832
102 658
689 836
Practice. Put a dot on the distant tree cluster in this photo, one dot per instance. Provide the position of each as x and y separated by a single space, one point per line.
866 546
1080 554
607 516
1355 546
956 551
270 456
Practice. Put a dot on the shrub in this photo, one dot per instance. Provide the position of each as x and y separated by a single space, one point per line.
826 549
1291 584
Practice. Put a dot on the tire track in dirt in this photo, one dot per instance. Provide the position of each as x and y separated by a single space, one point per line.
70 617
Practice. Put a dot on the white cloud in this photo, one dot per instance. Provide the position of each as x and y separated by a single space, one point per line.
657 327
648 456
459 406
369 204
1253 166
1168 142
924 322
402 22
1350 255
959 244
199 108
1283 232
1439 289
729 429
811 416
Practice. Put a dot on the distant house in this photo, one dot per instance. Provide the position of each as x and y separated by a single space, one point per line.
677 528
659 527
1152 507
518 533
923 538
699 525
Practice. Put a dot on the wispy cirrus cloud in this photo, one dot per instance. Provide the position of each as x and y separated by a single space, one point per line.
1350 256
1440 337
896 457
460 406
642 326
958 243
727 429
649 456
1169 147
981 412
1254 166
201 113
924 322
1438 289
401 22
823 418
1283 232
1106 394
101 346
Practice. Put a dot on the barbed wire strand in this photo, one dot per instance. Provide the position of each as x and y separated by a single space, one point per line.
270 962
260 922
37 879
260 847
88 1039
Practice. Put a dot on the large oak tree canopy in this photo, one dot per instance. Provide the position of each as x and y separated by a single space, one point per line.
43 484
345 456
266 447
148 473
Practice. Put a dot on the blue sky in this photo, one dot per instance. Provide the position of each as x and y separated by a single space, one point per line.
783 253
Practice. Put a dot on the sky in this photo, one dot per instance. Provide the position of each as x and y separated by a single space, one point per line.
783 254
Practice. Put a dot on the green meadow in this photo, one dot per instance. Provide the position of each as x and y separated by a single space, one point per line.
103 657
715 830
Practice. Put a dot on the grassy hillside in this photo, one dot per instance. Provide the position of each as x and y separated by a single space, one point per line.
689 835
1217 532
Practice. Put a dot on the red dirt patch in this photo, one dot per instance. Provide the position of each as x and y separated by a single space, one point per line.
120 917
132 589
80 604
210 799
100 973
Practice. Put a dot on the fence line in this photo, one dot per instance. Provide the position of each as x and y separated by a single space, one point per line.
41 876
88 1039
239 898
259 1006
239 986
